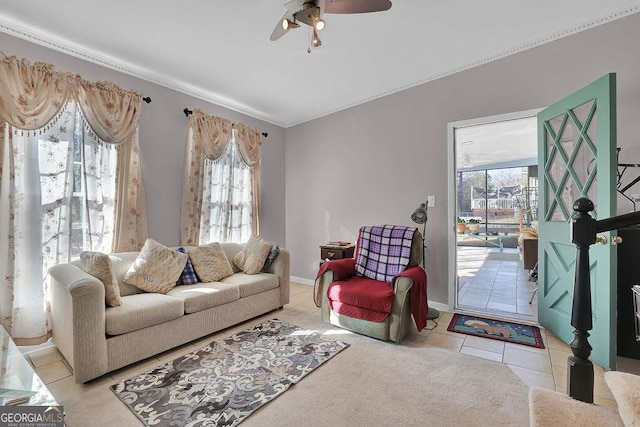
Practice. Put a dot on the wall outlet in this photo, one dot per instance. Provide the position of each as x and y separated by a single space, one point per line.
432 201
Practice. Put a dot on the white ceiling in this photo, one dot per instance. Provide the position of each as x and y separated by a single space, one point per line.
219 50
497 144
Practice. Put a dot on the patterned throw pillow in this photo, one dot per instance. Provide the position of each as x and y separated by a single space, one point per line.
100 266
210 262
252 257
188 276
273 254
156 269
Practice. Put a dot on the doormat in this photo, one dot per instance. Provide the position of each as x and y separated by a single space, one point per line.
223 383
497 330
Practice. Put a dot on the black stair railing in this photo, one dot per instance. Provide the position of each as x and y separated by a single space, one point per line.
584 230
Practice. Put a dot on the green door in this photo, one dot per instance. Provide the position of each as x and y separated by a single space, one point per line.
577 155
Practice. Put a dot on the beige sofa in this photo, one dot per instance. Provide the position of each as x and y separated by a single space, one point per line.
96 339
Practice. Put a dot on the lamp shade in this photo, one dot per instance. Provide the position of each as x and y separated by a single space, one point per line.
419 216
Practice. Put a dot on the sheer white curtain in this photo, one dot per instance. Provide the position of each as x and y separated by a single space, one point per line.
227 198
69 169
61 187
221 184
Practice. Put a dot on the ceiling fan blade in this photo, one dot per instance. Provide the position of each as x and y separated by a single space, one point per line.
292 7
278 31
321 5
356 6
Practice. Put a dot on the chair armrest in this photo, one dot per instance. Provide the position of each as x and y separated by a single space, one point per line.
330 271
414 279
402 286
342 269
78 320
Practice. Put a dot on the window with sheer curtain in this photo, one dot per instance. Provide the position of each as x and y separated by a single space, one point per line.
69 180
221 185
227 198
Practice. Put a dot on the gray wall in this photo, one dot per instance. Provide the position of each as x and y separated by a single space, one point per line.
374 163
163 133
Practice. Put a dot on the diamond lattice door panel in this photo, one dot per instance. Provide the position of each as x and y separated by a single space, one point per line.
576 152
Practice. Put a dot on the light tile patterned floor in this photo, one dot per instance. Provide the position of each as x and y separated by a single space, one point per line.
495 282
536 367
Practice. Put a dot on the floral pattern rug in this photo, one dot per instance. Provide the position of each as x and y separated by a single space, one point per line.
223 383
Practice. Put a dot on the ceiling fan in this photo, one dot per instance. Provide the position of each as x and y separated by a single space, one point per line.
310 12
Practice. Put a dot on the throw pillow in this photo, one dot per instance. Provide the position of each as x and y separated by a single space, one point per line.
252 257
273 254
156 269
210 262
188 276
100 266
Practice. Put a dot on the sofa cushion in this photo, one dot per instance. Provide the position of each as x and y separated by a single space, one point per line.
372 296
252 257
99 265
251 284
141 311
210 262
121 263
156 269
205 295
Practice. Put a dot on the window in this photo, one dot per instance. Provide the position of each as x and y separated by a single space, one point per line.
221 184
227 198
58 182
77 179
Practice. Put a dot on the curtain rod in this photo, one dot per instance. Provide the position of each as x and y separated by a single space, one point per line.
188 112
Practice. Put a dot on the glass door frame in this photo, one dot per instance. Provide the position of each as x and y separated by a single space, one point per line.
452 191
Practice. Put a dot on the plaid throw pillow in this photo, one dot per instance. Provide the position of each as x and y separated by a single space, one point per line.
188 276
383 251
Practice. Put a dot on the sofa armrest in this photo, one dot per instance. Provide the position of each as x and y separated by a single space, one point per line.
78 320
280 267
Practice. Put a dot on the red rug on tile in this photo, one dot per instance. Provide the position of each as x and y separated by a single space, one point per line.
496 330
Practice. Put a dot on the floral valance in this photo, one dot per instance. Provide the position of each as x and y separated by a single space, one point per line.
249 141
31 95
212 135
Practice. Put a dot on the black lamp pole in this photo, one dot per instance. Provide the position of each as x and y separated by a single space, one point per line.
419 216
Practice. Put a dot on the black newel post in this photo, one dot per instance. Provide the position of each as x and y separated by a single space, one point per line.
579 367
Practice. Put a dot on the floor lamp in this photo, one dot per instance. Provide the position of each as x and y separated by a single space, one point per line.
419 216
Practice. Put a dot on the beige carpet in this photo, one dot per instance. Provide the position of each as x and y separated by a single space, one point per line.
371 383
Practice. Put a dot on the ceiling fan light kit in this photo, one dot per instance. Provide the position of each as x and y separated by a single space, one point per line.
310 12
288 24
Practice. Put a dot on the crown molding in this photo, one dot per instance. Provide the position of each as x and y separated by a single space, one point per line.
78 51
116 64
507 52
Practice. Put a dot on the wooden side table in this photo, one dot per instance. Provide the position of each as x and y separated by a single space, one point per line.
331 252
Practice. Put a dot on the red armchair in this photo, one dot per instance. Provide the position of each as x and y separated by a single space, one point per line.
371 307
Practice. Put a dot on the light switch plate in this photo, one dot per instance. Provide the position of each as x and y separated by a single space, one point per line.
432 201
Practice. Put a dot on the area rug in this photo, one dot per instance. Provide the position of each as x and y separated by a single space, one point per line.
372 383
226 381
496 329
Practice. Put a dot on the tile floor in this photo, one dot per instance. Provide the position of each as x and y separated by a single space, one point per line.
495 282
536 367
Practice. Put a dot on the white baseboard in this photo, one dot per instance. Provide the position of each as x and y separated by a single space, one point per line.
439 306
302 281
